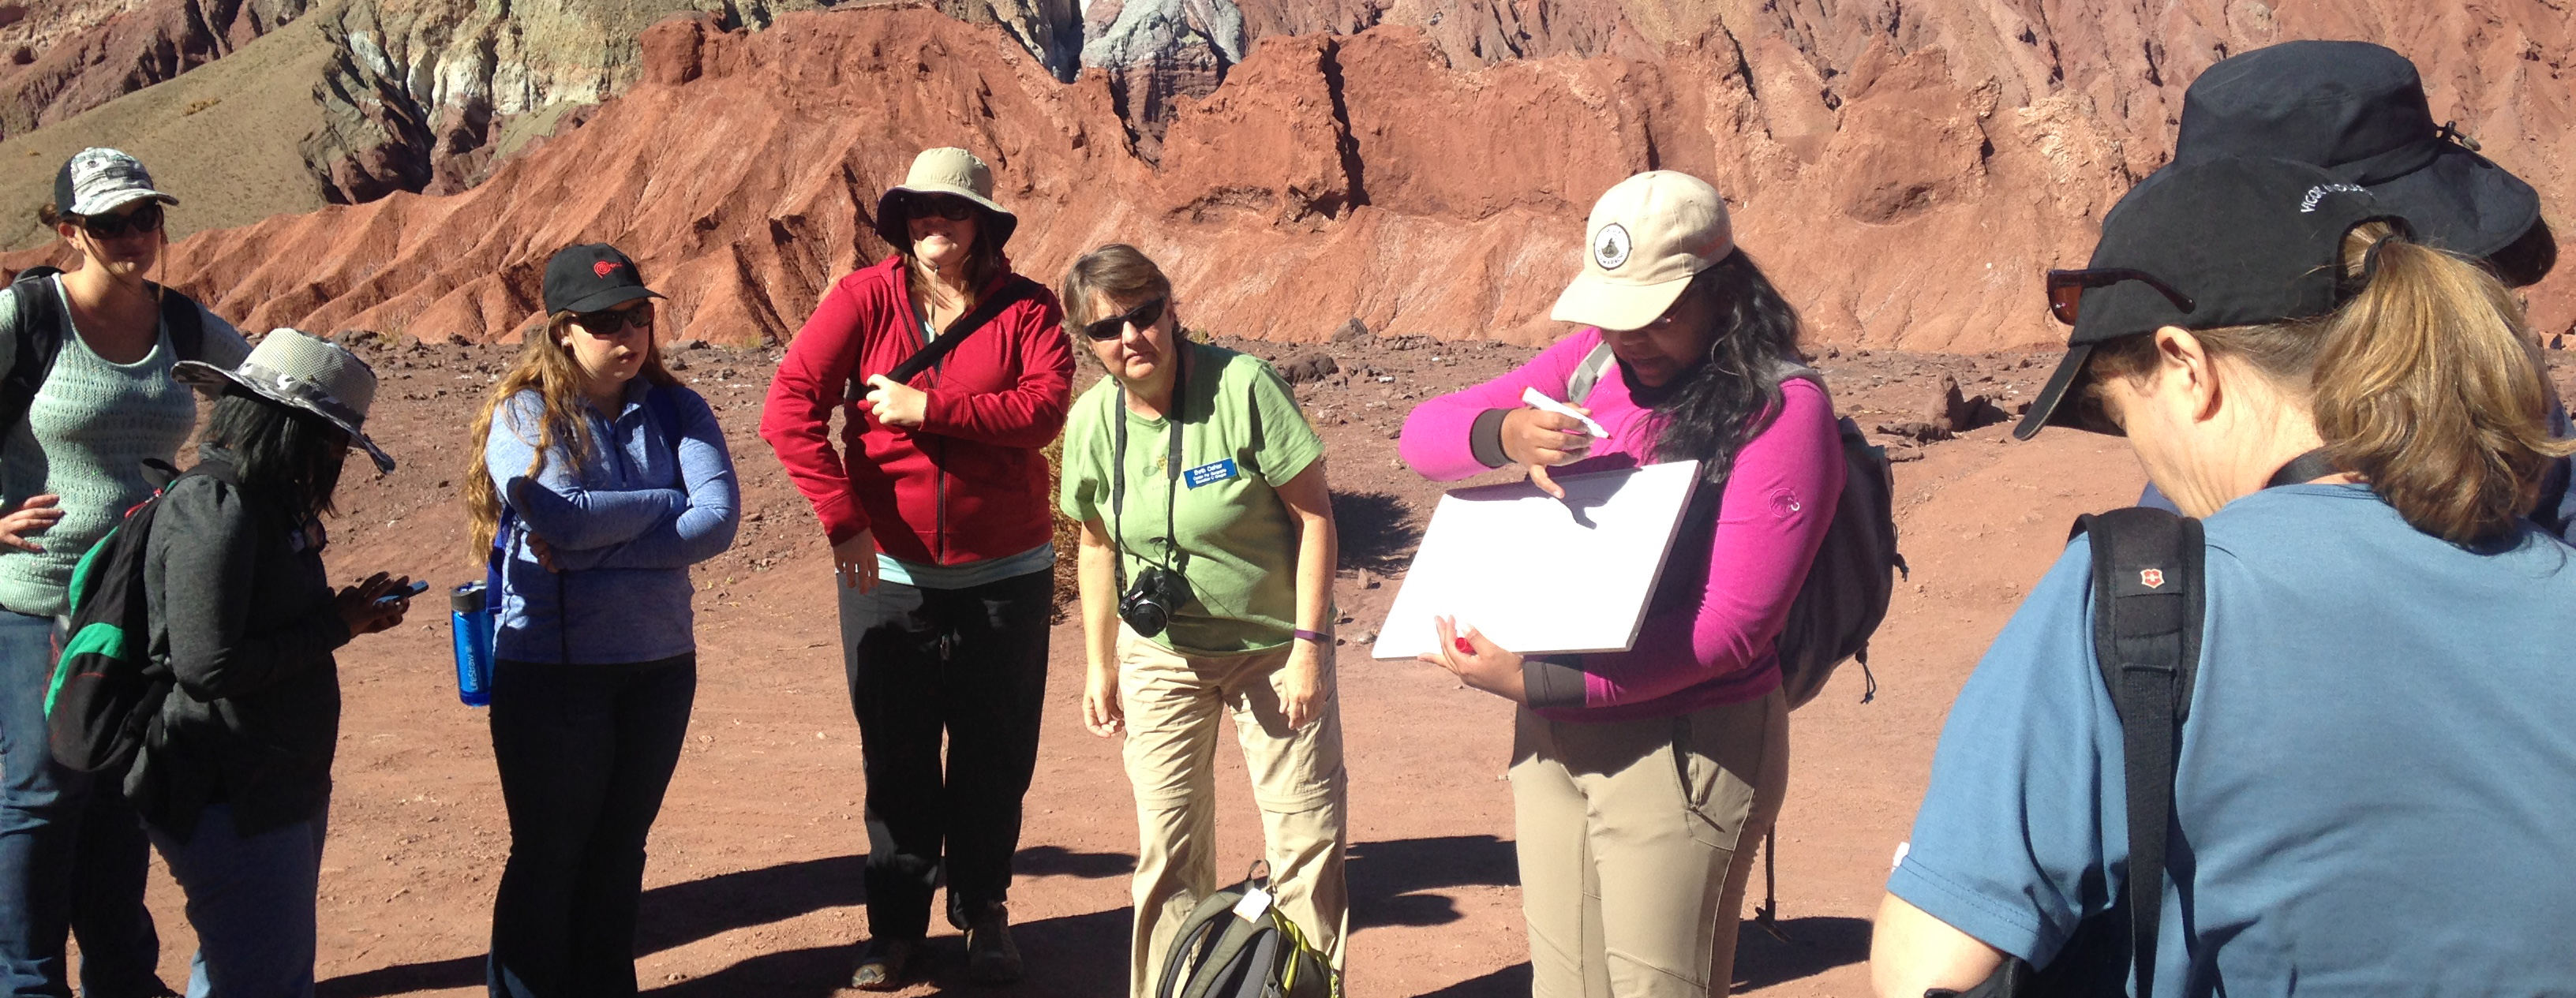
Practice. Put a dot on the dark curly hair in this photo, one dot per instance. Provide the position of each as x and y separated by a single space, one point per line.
1733 393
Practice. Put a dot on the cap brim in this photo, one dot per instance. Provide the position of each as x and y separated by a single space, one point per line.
2050 408
199 374
1593 300
610 298
2462 202
118 199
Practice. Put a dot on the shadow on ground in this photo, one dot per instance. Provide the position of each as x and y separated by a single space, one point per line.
1376 530
1815 944
679 914
1509 982
1388 880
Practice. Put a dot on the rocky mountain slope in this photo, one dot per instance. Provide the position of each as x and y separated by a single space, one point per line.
1906 171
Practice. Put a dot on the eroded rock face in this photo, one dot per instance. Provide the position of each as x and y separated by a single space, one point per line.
59 58
1904 174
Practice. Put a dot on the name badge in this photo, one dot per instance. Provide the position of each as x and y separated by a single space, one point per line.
1208 474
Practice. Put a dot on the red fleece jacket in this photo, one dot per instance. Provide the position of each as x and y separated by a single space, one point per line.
968 484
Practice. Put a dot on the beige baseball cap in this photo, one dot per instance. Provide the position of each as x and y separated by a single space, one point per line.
1649 235
946 170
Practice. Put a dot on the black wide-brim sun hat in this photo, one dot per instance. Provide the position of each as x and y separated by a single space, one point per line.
953 172
2357 109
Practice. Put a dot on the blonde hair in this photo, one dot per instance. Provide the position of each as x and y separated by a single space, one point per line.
547 367
2426 384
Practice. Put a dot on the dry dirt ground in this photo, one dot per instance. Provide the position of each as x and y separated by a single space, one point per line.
754 885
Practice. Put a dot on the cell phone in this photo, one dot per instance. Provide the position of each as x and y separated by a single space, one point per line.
417 587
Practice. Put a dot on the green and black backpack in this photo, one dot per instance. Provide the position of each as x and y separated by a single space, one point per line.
1237 944
107 690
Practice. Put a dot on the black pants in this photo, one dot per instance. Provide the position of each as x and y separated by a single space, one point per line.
585 753
970 663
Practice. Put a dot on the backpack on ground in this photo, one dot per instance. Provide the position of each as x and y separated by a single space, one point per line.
2149 602
107 690
1847 589
40 339
1237 944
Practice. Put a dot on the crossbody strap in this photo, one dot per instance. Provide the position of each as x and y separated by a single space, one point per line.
2149 601
1013 291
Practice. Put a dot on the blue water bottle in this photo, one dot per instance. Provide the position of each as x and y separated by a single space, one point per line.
473 626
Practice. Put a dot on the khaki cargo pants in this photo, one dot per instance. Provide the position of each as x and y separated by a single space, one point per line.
1635 841
1174 705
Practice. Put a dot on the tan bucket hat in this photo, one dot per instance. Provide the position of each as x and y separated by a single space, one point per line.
1648 236
946 170
315 375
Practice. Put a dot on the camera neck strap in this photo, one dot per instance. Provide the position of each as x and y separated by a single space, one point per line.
1171 468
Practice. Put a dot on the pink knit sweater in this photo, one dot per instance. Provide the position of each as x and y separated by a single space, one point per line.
1722 647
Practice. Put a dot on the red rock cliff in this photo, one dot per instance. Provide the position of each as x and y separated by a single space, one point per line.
1904 172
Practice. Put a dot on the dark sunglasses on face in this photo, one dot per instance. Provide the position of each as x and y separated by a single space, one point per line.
2066 289
1142 317
610 322
144 219
951 208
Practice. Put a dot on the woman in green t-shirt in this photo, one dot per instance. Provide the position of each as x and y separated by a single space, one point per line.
1206 577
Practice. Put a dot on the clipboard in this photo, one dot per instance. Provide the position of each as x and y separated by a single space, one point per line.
1540 575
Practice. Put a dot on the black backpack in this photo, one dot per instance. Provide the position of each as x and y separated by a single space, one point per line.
2149 601
107 690
1232 948
41 322
1845 595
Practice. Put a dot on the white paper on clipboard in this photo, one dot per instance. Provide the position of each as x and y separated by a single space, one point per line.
1539 575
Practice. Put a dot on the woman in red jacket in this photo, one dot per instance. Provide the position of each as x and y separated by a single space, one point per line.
936 507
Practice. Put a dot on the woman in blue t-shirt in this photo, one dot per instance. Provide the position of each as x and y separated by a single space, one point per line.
2375 786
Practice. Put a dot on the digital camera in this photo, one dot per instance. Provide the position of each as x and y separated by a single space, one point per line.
1147 605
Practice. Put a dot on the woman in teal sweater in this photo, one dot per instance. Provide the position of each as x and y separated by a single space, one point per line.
79 422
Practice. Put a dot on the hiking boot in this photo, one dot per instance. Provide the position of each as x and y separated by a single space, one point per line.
991 956
883 964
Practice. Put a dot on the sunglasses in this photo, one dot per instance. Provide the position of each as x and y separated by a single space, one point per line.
144 219
2066 289
1142 317
610 322
953 209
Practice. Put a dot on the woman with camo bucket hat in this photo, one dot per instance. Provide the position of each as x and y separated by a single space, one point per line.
234 784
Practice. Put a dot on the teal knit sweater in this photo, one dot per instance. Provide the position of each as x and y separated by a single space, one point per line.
85 439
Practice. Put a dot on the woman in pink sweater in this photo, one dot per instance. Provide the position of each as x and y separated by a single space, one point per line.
1637 775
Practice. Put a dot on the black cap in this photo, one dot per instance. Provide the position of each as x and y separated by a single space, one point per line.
2357 109
2246 241
591 277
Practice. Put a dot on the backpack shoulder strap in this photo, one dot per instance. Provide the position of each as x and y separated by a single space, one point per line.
2149 595
662 406
1587 374
39 336
187 324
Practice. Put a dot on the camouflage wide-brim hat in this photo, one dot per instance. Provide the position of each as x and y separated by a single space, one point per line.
309 373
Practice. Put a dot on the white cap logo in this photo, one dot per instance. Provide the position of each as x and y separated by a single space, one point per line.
1610 248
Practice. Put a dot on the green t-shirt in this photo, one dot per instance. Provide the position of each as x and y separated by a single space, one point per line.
1237 539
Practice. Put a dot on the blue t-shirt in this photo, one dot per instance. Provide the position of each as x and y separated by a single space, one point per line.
2376 790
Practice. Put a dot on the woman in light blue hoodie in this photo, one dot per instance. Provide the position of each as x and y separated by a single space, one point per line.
601 481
